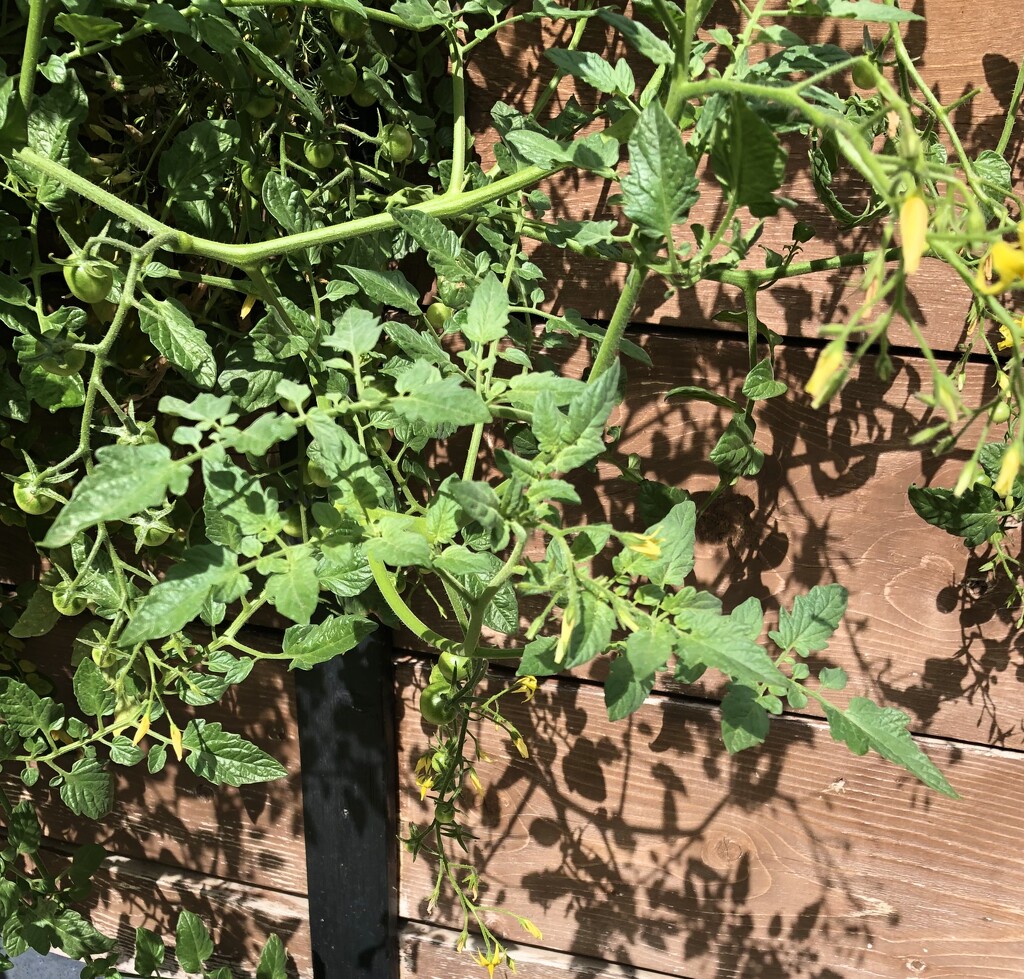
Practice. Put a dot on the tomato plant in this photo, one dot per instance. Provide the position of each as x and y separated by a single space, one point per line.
248 407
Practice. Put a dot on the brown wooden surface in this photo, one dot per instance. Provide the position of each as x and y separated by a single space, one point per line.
925 631
977 53
642 843
252 834
131 893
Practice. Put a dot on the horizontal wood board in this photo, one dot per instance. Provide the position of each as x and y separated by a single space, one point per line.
642 844
975 53
925 630
251 835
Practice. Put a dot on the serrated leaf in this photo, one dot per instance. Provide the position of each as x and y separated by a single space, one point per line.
748 159
356 332
224 758
591 68
735 453
168 324
661 185
744 720
193 942
311 644
970 516
206 571
632 673
716 641
292 586
674 536
128 480
487 315
865 725
815 617
832 678
149 951
440 402
694 393
273 961
387 288
87 789
92 691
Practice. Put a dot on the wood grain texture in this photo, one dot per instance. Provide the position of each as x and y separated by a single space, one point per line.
977 54
252 834
926 630
643 844
134 893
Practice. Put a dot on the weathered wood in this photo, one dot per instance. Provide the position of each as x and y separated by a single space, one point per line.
250 834
978 53
429 953
134 893
642 843
926 631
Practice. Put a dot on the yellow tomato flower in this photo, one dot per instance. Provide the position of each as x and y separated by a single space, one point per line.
1008 470
527 686
913 232
644 544
830 362
490 962
141 730
1007 263
176 744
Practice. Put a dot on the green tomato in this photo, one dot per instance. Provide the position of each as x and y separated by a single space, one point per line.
438 315
29 498
155 536
262 104
444 813
73 361
274 41
340 80
863 76
292 518
454 667
319 154
104 655
350 26
395 143
315 475
362 96
1000 413
88 280
436 705
67 600
252 179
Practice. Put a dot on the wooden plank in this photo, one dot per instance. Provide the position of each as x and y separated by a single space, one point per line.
644 844
926 631
134 893
429 953
250 834
977 54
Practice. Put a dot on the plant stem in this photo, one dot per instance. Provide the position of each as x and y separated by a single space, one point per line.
33 48
1011 111
405 615
243 256
621 316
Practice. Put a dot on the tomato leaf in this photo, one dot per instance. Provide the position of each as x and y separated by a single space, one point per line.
194 945
224 758
311 644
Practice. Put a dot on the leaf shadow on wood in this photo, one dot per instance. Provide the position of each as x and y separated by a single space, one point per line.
175 835
642 843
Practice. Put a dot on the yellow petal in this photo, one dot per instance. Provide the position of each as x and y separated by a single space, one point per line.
913 232
1008 262
179 751
1008 470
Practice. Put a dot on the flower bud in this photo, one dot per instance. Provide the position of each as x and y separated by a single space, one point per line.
1008 470
913 232
822 380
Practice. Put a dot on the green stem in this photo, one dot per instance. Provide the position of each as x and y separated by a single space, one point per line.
1011 112
460 130
243 256
381 16
32 50
405 615
621 316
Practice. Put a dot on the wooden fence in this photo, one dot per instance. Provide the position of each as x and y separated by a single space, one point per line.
641 848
